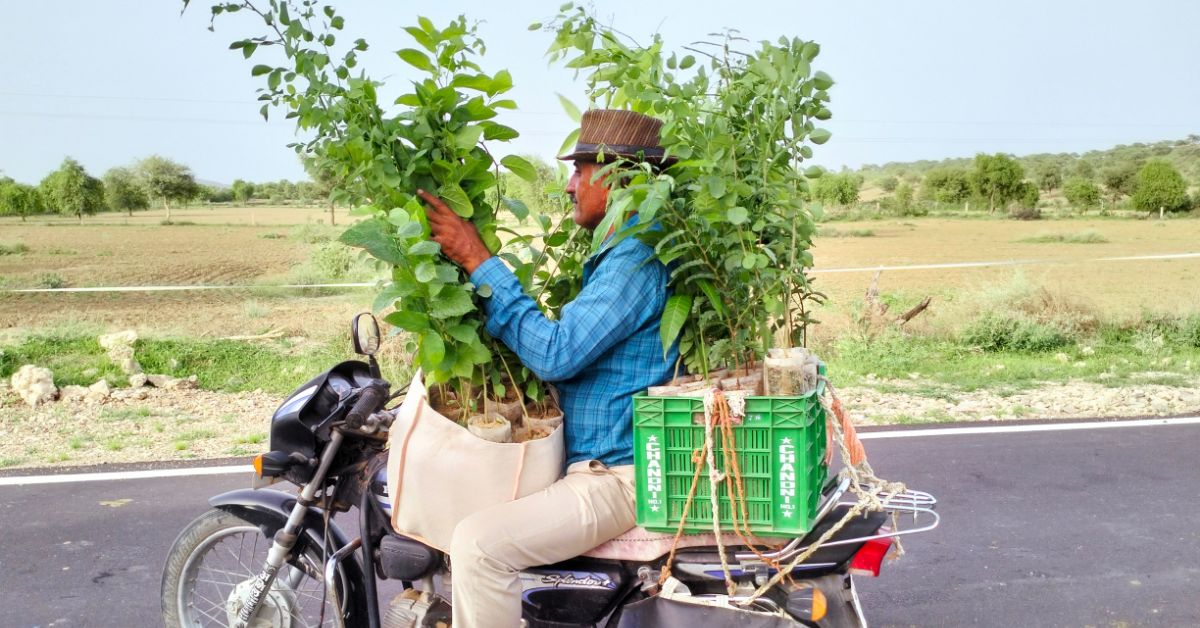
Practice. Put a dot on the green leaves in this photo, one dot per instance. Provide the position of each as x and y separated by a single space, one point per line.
451 303
260 70
516 207
569 107
457 199
730 216
675 314
433 350
520 167
416 59
372 235
408 321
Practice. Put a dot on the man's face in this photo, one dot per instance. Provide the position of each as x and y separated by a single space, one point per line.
590 197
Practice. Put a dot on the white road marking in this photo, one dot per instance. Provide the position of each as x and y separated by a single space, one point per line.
1036 427
67 478
817 271
1011 262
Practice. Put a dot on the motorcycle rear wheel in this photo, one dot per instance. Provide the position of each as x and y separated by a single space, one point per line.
217 556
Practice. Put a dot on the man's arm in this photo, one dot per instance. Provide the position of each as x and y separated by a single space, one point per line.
622 293
625 290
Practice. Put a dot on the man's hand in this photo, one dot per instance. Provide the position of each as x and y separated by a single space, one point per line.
459 239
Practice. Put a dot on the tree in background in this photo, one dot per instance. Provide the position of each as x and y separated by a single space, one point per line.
18 199
533 193
997 178
1083 169
1048 177
325 180
946 185
838 189
71 190
888 184
1028 195
1159 186
243 191
214 194
123 191
903 198
1082 193
167 180
1119 180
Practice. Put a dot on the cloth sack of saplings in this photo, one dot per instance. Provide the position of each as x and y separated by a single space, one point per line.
439 473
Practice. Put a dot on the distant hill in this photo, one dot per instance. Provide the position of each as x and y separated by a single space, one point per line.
1184 154
213 184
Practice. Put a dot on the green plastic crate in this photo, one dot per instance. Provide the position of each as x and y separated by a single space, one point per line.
781 453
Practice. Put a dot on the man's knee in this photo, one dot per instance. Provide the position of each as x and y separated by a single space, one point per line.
474 542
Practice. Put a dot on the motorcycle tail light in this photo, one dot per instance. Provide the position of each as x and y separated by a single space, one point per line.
869 558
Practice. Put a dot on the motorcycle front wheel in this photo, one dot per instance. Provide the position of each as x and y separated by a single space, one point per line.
214 562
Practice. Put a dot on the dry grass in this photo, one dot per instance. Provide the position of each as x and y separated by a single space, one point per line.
1112 290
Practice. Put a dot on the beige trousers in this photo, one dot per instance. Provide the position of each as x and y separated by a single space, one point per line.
591 504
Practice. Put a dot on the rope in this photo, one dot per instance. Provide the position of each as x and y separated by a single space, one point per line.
697 462
711 400
861 474
720 408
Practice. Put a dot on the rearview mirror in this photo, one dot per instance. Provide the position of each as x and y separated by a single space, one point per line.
364 331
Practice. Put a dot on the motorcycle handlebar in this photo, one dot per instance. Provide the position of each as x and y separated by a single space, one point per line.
369 400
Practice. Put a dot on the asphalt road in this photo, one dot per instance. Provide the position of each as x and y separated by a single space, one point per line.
1064 528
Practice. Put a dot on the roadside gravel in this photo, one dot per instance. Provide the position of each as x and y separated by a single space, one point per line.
150 424
894 405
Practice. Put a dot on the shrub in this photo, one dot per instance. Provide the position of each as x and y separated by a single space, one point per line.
1025 213
51 280
1081 193
830 232
1159 185
333 260
13 249
314 234
1020 316
1088 236
1007 332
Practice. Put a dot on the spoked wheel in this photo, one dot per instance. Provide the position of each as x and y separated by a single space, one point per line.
214 563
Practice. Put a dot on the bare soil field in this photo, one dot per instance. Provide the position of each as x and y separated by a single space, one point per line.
118 255
145 255
182 255
1115 290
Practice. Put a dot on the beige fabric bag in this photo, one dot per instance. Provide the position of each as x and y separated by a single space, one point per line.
438 472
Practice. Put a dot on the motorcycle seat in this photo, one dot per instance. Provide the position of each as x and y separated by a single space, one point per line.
641 545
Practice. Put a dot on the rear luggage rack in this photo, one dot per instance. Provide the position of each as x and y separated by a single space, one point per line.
916 503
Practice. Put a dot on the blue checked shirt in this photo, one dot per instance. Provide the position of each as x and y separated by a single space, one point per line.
604 350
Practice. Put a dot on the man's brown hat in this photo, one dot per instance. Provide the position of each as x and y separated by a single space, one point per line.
617 133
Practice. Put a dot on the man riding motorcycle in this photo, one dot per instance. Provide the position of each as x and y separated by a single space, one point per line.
603 350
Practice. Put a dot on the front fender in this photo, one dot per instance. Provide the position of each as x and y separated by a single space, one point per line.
269 510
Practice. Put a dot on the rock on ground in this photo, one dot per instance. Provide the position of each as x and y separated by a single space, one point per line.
34 384
119 346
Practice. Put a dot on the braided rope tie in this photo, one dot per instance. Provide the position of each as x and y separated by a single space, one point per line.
712 398
861 474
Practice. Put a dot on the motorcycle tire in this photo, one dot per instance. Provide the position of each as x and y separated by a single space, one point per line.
195 593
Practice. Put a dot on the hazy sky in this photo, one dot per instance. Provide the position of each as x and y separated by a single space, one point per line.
111 81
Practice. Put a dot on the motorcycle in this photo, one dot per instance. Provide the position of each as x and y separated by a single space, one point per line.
268 558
